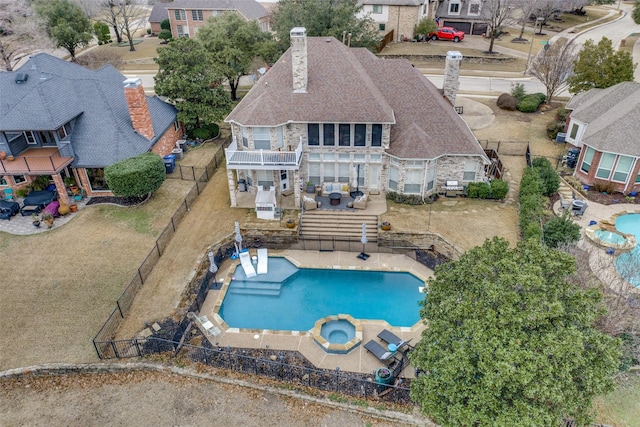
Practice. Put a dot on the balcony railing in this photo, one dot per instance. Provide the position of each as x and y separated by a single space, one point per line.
262 159
35 162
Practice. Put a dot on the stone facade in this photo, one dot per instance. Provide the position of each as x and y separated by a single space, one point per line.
298 37
138 108
451 75
402 20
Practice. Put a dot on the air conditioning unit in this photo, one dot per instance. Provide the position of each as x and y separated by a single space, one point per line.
561 137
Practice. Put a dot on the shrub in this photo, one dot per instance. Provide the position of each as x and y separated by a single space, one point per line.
577 185
165 35
531 204
529 104
206 132
604 186
407 199
561 230
102 32
518 91
541 96
499 189
507 102
550 179
165 24
554 128
136 176
562 114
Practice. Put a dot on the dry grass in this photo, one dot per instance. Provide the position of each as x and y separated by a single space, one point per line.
59 286
141 58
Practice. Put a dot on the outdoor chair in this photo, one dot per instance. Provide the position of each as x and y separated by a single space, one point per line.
380 352
8 194
209 327
391 338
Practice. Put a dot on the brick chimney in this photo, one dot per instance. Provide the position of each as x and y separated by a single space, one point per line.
138 108
451 74
298 36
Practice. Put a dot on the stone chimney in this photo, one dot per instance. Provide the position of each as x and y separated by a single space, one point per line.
138 108
451 74
298 37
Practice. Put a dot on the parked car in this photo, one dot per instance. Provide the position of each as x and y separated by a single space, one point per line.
447 33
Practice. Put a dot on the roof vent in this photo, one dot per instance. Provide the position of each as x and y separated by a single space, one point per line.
21 78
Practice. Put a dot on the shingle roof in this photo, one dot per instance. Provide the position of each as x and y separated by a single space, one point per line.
159 12
57 91
354 86
250 9
612 116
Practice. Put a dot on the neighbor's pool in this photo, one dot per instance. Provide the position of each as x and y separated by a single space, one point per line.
628 263
288 298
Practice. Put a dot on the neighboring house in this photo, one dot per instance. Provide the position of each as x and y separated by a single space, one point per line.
327 113
186 16
158 14
400 16
464 15
605 125
60 119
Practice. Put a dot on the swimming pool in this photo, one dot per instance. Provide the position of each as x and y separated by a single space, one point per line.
292 299
628 264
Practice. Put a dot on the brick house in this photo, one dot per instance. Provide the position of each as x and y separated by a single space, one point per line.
158 14
328 113
464 15
186 16
400 16
605 125
60 119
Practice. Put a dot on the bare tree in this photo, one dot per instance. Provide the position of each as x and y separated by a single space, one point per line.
553 65
125 17
595 270
21 32
496 14
526 8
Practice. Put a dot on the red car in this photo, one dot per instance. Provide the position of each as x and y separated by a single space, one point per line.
447 33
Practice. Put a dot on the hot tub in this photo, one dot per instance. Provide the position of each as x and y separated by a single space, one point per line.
608 237
337 334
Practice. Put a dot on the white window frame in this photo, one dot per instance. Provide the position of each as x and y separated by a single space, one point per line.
587 159
196 15
413 177
474 3
618 171
180 14
264 177
183 30
470 167
30 137
260 136
394 176
610 158
451 4
376 9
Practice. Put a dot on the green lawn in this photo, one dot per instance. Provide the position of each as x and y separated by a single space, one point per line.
621 408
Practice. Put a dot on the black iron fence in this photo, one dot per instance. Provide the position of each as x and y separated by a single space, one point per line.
102 340
197 173
279 369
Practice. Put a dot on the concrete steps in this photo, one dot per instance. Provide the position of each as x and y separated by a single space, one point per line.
327 223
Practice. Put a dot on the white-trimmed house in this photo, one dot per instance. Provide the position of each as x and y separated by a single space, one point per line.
605 125
329 113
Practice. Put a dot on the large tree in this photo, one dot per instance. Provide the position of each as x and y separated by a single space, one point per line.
233 43
497 14
190 79
66 23
600 66
20 32
553 65
124 17
509 341
333 18
635 14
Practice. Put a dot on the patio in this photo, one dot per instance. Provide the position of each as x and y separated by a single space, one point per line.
23 225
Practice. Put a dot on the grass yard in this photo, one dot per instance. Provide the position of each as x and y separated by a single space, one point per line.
621 408
69 278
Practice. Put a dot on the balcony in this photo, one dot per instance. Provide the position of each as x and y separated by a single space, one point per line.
35 161
263 159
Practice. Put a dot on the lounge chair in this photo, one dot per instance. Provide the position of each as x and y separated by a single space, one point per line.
379 351
263 261
391 338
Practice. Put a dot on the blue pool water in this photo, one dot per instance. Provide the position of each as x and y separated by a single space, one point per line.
609 237
628 264
293 299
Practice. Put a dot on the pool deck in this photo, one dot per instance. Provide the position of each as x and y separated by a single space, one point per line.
359 359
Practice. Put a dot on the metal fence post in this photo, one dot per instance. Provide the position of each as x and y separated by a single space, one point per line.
337 378
119 309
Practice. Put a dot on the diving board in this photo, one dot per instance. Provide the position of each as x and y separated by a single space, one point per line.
263 261
245 260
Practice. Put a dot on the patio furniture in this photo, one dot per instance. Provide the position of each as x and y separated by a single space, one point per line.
263 261
309 203
392 339
334 198
379 351
360 202
578 207
210 329
36 201
8 209
8 194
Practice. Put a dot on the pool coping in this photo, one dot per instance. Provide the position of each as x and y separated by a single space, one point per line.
229 277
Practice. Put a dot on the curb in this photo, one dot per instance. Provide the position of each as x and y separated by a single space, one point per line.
63 369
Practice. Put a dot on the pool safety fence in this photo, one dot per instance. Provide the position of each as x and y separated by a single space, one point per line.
101 341
296 374
198 173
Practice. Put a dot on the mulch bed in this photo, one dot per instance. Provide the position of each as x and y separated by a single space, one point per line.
121 201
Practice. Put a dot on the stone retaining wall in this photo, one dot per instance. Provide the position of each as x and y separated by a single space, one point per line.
465 59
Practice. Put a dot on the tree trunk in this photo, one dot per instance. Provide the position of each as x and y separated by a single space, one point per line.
6 60
132 48
233 84
118 35
493 38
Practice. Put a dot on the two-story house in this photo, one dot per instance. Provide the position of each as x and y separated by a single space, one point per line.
464 15
60 119
399 16
325 112
605 125
186 16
